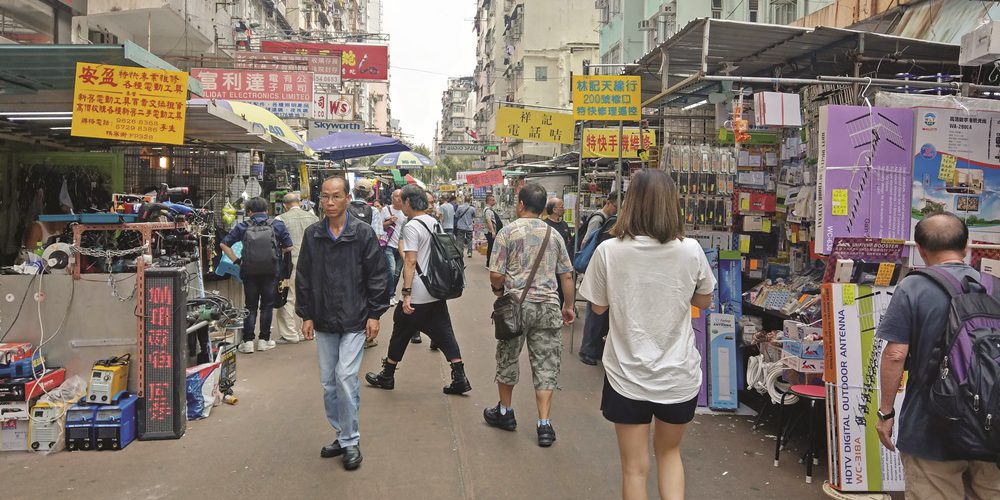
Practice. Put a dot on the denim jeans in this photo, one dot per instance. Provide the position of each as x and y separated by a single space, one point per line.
594 331
259 291
339 362
395 262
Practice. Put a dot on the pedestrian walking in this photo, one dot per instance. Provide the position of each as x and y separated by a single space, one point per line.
296 220
393 219
529 260
264 241
647 277
464 216
341 285
447 211
493 225
419 311
595 329
944 456
553 216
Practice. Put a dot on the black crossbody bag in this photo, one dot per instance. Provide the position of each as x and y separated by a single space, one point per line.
507 309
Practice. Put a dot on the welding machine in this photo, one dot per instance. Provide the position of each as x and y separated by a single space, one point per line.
114 424
80 426
45 426
108 378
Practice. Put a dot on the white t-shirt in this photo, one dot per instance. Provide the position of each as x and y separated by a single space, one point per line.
415 237
387 212
650 353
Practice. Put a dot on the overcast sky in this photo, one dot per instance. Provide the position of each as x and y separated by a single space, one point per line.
429 42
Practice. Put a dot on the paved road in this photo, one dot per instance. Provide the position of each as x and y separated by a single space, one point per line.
417 442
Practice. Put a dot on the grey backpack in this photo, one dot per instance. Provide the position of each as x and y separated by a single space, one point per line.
260 250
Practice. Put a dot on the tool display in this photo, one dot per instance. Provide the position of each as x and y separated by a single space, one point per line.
108 378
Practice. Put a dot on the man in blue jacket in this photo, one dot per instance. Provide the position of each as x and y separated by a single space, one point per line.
341 289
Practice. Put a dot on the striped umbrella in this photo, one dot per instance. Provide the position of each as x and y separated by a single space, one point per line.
407 160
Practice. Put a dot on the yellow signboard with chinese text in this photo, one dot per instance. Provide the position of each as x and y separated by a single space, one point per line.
448 188
125 103
535 125
603 142
607 98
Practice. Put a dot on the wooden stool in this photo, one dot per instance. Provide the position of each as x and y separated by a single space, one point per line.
814 394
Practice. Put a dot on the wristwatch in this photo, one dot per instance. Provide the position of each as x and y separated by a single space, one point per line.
886 416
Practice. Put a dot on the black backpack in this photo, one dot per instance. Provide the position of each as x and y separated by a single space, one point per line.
362 211
445 276
260 250
497 223
582 232
965 366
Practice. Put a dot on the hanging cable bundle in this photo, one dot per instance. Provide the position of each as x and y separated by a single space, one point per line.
765 378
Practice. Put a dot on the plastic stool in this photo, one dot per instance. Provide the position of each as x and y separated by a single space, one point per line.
814 394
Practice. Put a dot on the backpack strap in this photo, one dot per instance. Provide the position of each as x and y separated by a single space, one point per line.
419 272
942 279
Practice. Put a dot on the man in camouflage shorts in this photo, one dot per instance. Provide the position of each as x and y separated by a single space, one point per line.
514 251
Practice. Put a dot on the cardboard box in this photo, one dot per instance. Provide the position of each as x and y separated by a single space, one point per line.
26 389
15 409
798 364
777 109
14 351
14 434
981 45
722 382
804 349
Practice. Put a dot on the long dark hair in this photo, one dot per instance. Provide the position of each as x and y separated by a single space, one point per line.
651 208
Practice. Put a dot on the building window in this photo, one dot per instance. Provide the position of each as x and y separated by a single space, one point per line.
753 6
541 73
457 123
716 9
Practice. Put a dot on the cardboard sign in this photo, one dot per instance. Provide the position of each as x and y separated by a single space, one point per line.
535 125
129 104
610 98
603 142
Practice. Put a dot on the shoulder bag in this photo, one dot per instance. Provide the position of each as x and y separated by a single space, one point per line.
507 309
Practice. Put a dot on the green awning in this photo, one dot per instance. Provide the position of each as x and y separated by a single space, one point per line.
398 177
28 69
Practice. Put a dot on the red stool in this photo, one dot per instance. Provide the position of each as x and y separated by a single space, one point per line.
814 394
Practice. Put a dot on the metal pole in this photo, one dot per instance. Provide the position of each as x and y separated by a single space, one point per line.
618 167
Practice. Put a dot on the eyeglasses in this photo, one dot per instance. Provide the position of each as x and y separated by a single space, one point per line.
336 198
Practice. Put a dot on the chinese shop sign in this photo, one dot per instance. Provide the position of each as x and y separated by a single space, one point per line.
286 94
607 98
360 62
326 69
125 103
603 142
535 125
487 178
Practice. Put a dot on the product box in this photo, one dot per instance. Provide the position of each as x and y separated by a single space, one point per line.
722 382
14 434
804 349
864 174
25 389
858 461
14 351
777 109
801 365
15 409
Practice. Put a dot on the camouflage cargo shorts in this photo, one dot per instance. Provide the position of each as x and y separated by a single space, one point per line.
543 334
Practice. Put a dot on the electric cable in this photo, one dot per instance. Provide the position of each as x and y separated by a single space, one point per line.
764 377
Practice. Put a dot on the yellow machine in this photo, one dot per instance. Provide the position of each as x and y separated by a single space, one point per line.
108 378
45 428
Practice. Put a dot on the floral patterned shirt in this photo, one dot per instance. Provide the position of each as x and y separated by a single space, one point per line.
514 252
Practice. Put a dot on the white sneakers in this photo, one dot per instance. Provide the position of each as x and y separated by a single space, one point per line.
266 345
393 301
246 347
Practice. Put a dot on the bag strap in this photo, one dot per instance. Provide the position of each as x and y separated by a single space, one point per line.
942 279
534 267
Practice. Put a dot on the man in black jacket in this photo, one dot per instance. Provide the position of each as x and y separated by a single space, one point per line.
341 289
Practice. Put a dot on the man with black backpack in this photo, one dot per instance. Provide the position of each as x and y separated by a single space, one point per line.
432 273
943 325
493 225
264 243
596 327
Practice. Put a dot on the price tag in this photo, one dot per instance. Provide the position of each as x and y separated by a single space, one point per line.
744 243
744 202
849 291
884 276
947 171
839 200
765 226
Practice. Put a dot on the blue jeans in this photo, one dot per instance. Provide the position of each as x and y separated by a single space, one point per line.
395 262
594 331
339 363
259 290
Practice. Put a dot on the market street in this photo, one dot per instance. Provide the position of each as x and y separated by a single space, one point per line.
418 443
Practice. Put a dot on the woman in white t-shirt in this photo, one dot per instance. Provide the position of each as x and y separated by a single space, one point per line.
649 276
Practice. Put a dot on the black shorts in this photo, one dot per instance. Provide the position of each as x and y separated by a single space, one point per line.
621 410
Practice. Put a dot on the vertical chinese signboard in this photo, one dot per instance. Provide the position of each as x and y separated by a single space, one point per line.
360 62
163 349
603 142
287 94
129 104
607 98
535 125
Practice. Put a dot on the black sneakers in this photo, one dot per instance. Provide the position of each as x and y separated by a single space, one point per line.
331 450
386 379
459 382
416 339
546 435
352 457
493 417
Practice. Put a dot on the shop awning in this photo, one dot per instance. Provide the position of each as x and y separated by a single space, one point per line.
780 55
161 27
208 123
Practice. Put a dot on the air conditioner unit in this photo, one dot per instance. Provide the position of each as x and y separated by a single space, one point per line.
647 25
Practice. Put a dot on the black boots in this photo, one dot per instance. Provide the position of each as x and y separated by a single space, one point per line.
384 380
459 382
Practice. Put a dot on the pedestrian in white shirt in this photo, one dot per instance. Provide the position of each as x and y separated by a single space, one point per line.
648 276
393 220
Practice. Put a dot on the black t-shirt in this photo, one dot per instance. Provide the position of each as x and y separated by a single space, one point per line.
563 229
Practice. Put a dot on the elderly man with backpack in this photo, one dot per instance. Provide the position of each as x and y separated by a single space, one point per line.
264 241
596 328
943 324
433 273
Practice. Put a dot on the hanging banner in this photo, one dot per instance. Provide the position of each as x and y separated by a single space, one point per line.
284 93
535 125
607 98
320 128
487 178
463 148
359 62
325 69
126 103
603 142
332 107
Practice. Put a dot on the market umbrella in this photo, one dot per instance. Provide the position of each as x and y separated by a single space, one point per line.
413 180
407 160
266 119
344 145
